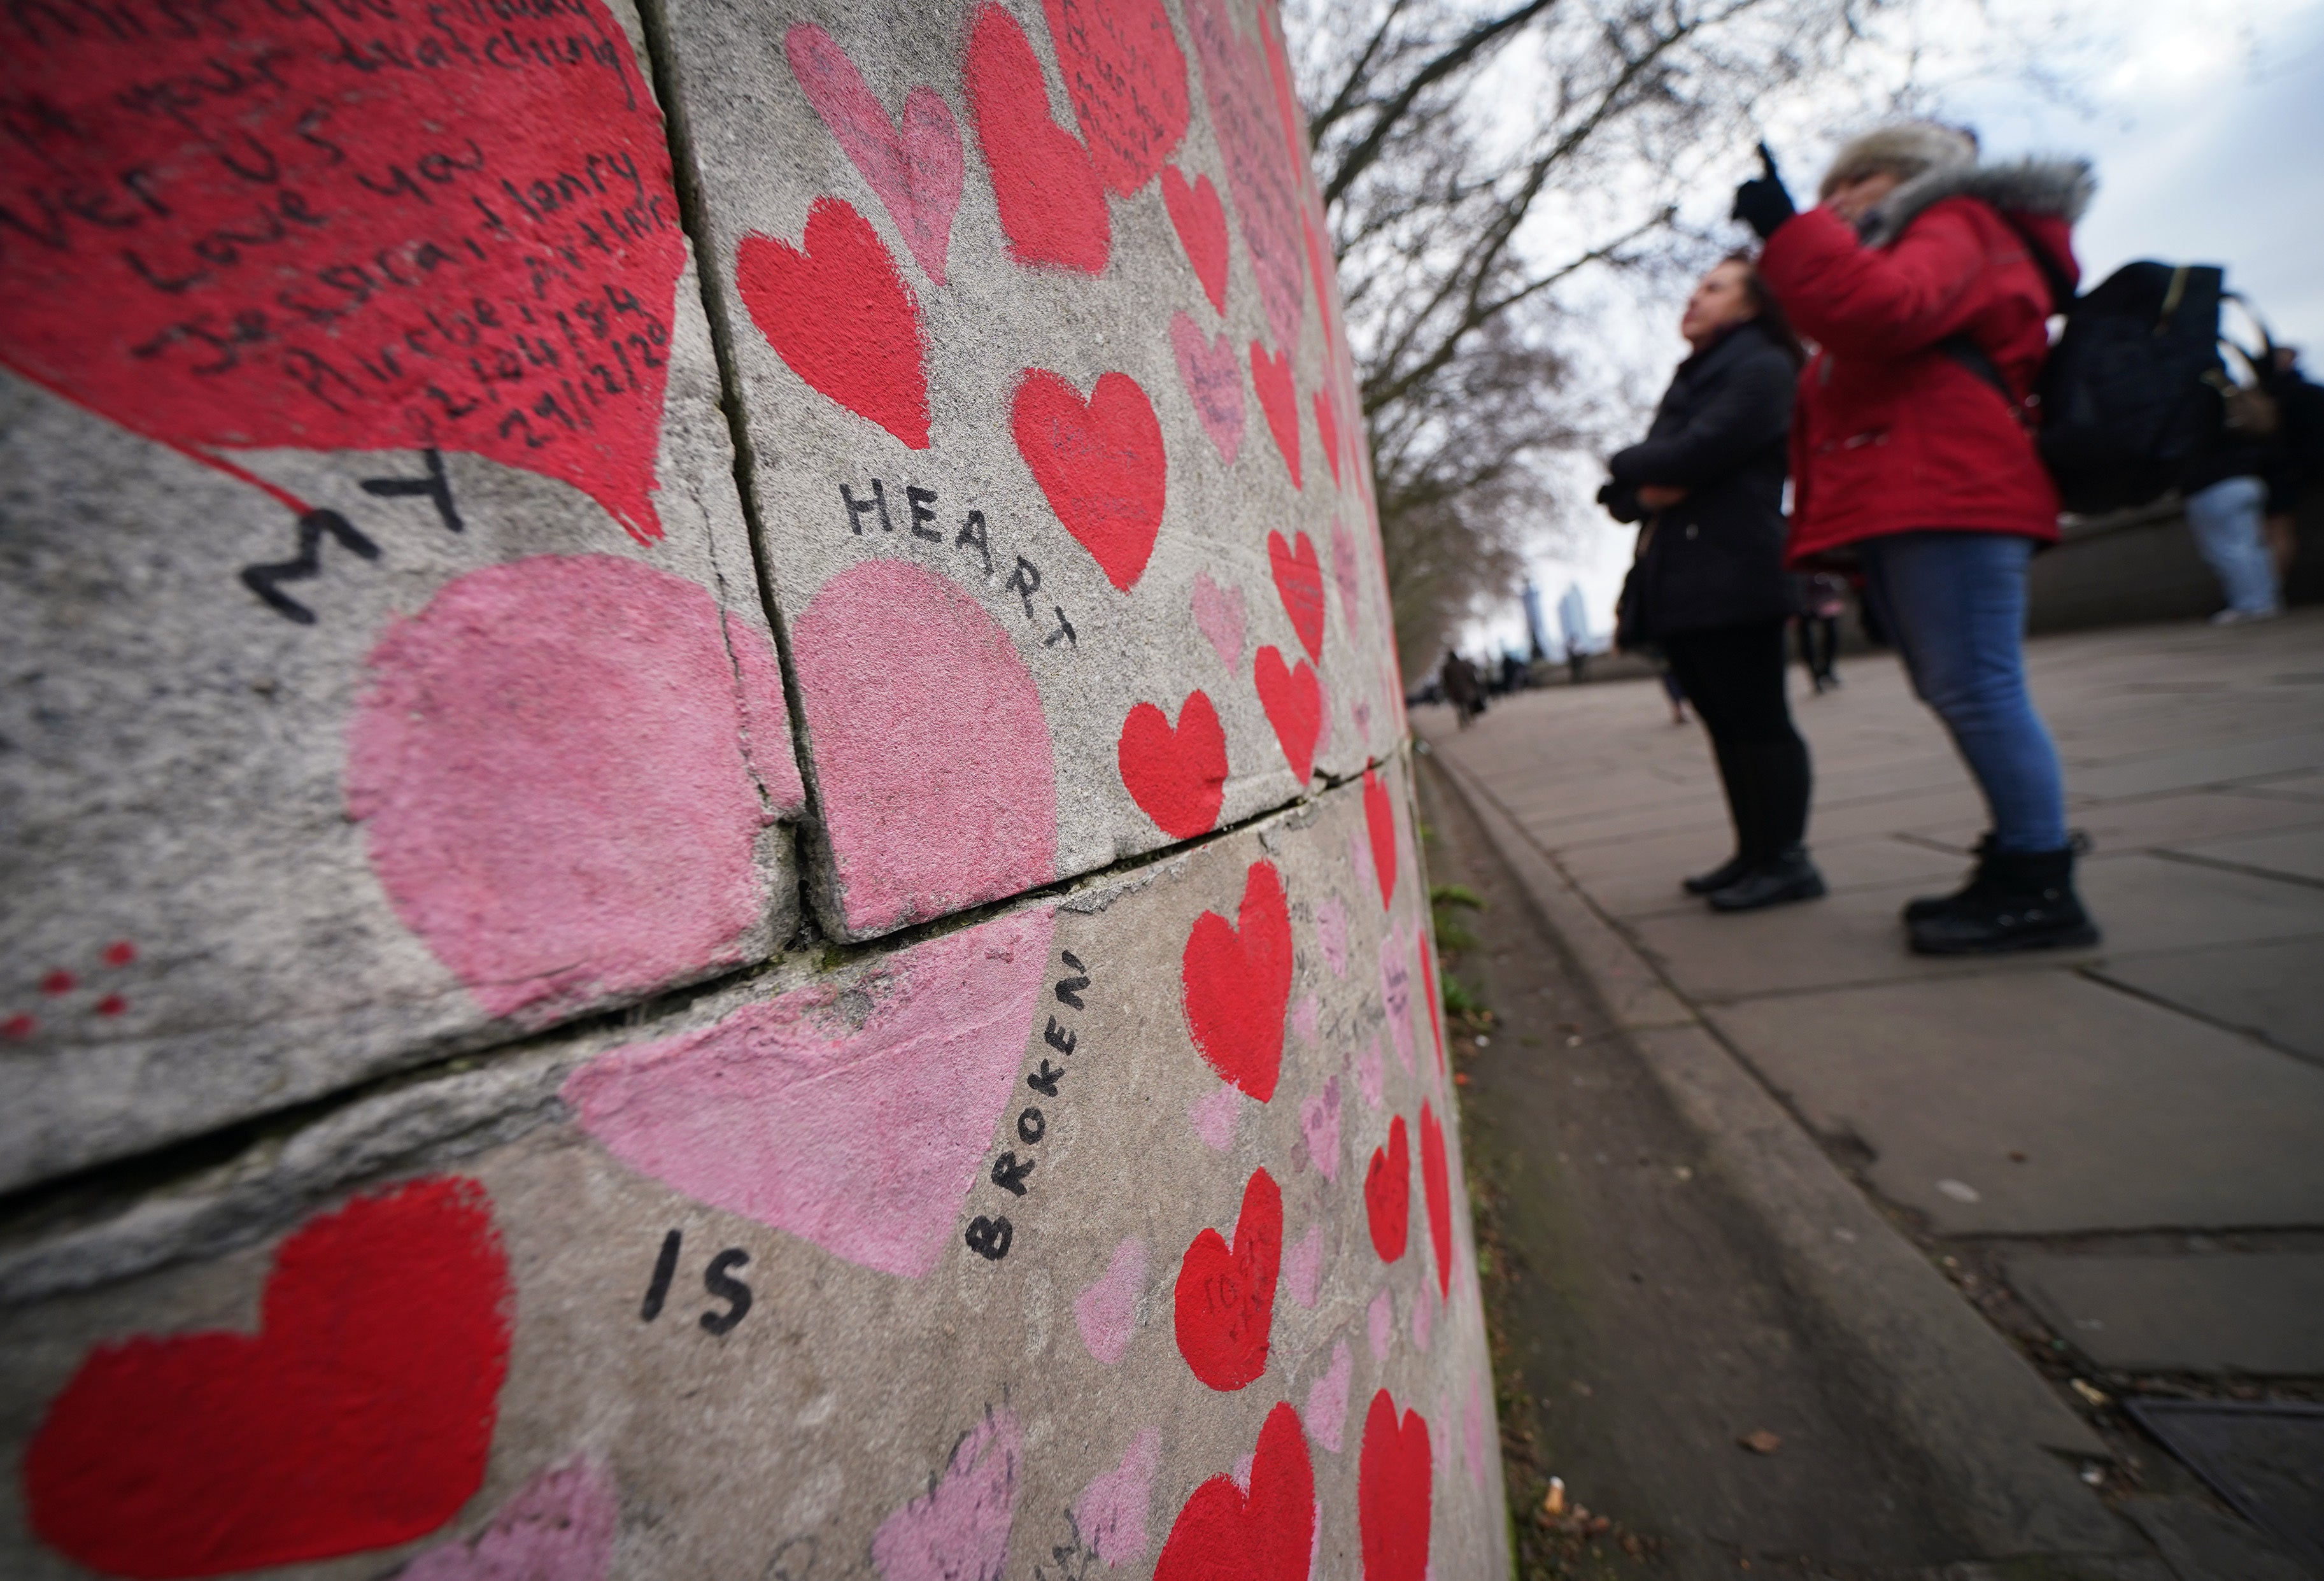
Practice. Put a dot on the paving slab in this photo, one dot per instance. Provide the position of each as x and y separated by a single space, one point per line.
2214 1312
1866 862
2127 1115
2216 765
2275 990
2292 853
2115 826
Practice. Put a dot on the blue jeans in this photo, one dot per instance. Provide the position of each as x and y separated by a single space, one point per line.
1954 605
2227 520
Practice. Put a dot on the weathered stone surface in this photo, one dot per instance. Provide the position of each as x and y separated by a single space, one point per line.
829 1138
517 748
2213 1312
1021 482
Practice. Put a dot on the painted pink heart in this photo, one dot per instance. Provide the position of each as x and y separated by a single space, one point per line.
1299 583
1201 221
1127 76
1219 612
1051 204
1110 1516
959 1529
916 169
1294 701
1099 464
1303 1267
1213 381
749 1115
1319 1123
1327 1400
836 311
1396 994
1278 402
1331 933
1106 1312
1345 573
559 1527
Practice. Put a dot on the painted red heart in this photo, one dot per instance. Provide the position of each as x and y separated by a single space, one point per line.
359 1415
1327 428
838 312
916 169
1100 462
1268 1534
1262 174
1436 1187
1294 701
1225 1297
1279 398
1379 822
295 251
1237 982
1393 1492
1200 220
1387 1193
1127 76
1299 583
1428 1001
1051 207
1177 776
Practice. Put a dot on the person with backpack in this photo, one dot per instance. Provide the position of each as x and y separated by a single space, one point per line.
2226 489
1919 264
1708 587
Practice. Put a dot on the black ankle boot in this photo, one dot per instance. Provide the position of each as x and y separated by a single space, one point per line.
1786 876
2019 900
1920 908
1718 877
1735 780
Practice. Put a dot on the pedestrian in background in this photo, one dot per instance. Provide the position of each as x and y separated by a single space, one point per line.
1708 585
1458 679
1823 600
2226 489
2300 454
1908 462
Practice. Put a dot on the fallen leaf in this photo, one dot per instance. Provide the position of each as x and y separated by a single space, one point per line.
1762 1442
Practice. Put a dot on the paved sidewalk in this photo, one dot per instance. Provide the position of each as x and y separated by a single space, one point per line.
2129 1139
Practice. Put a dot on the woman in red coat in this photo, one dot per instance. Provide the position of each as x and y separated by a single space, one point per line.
1922 278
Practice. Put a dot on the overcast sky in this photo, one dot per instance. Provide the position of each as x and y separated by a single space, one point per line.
2206 121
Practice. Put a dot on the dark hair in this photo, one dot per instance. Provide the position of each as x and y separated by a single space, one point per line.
1765 310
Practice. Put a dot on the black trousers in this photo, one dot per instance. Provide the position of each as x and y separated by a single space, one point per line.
1734 677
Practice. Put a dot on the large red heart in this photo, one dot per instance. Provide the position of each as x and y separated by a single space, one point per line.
359 1415
1225 1298
916 169
1177 776
1437 1185
1393 1492
1262 171
1327 428
1279 398
1299 583
1379 822
838 312
247 232
1387 1193
1052 207
1238 981
1126 77
1294 701
1268 1534
1200 220
1100 463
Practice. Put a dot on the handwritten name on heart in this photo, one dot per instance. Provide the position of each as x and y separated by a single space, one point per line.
1379 823
1437 1185
1393 1483
1299 583
1236 984
746 1114
1051 204
1127 79
916 169
1213 381
960 1527
1224 1299
1177 775
1099 464
837 311
291 255
1261 173
358 1416
1265 1534
1278 402
1294 701
1201 222
1387 1193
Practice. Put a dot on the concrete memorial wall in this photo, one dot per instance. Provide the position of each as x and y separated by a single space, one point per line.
709 864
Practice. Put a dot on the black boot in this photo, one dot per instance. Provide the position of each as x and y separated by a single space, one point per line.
1734 777
1786 876
2019 900
1920 908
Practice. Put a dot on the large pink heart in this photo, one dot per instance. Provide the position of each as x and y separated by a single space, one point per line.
917 171
1213 381
864 1140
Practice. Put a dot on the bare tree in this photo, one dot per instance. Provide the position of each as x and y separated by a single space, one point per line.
1476 162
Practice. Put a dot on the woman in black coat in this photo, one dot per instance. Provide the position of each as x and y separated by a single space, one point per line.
1708 587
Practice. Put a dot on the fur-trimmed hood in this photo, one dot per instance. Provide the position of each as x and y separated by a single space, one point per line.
2037 188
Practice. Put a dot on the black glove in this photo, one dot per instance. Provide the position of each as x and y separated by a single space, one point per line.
1761 202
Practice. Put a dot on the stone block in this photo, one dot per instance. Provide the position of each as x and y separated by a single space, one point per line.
2214 1312
1037 1244
386 673
1051 429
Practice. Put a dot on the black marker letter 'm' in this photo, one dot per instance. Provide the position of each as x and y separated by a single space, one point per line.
733 1291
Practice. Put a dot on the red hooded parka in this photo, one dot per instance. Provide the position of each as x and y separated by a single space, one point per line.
1890 433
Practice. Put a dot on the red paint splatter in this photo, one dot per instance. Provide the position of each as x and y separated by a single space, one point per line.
120 953
112 1004
59 982
19 1026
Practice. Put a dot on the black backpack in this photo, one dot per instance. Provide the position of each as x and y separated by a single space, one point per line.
2119 410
